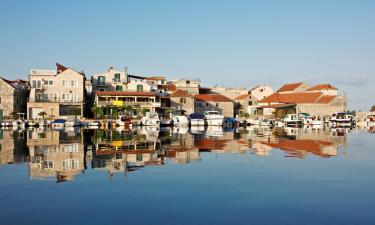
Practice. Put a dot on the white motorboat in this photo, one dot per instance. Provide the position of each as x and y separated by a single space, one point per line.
293 120
165 121
58 124
213 118
94 124
342 120
306 118
150 119
317 121
73 123
196 119
180 121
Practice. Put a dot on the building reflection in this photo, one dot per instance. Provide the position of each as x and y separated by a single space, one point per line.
63 155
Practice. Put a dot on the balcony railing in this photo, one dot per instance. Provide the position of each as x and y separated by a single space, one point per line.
141 104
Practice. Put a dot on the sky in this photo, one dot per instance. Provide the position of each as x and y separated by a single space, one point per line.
226 43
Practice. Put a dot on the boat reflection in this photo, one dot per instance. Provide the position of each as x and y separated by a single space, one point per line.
63 155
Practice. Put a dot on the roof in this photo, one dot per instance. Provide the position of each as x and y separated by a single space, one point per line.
242 97
167 87
180 93
290 87
322 87
124 93
212 98
326 99
155 78
14 83
303 97
275 106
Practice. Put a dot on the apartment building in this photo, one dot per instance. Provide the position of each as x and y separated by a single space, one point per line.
13 97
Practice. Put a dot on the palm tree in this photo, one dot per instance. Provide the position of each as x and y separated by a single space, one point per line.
42 114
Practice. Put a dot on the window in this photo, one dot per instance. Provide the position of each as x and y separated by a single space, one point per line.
36 84
139 88
207 104
101 89
188 82
182 100
261 90
217 104
250 103
69 97
101 80
118 88
48 164
117 77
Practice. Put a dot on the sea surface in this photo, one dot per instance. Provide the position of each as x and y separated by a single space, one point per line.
187 176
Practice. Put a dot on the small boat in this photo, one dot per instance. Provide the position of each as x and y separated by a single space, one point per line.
94 124
230 122
213 118
196 119
342 120
370 120
6 123
180 121
293 120
58 124
317 121
73 123
266 123
165 122
150 119
306 118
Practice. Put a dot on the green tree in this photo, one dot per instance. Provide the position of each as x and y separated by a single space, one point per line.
372 108
42 114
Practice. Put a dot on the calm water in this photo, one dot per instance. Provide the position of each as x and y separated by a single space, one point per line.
177 176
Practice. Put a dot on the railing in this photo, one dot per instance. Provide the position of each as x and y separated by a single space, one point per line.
141 104
101 83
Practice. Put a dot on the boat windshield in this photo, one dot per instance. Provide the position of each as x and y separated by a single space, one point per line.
212 113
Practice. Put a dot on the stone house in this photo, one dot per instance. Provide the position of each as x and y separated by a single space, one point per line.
214 102
313 102
181 101
13 97
110 80
191 86
260 92
231 93
59 92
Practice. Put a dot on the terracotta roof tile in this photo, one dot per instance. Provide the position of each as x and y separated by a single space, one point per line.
212 98
167 87
125 93
290 87
304 97
322 87
242 97
155 78
180 93
325 99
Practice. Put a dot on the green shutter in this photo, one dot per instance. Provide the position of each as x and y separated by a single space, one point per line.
118 88
139 88
1 114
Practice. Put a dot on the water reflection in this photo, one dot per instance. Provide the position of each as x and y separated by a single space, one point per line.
62 155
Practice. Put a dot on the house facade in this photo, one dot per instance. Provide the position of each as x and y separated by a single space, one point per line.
214 102
313 102
181 102
57 93
191 86
110 80
13 97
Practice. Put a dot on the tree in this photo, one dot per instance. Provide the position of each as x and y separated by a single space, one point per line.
42 114
372 108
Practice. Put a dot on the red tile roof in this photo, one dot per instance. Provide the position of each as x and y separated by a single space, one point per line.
290 87
304 97
325 99
180 93
212 98
322 87
243 97
167 87
124 93
155 78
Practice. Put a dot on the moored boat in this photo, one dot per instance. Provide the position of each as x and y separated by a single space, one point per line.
293 120
150 119
180 121
196 119
213 118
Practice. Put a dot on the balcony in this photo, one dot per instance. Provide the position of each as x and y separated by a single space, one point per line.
140 104
102 84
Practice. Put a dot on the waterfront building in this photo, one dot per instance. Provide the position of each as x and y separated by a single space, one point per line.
110 80
181 102
191 86
13 97
214 102
312 101
113 102
57 92
231 93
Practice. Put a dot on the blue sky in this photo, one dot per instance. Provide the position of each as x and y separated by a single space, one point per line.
231 43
